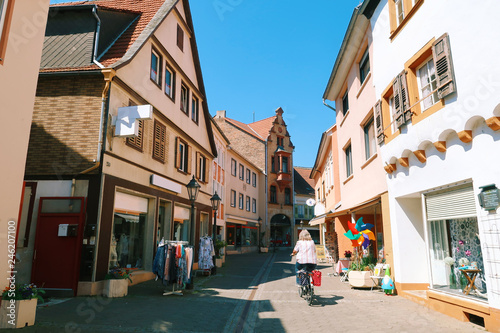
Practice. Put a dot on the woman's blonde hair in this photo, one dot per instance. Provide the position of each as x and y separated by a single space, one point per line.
305 235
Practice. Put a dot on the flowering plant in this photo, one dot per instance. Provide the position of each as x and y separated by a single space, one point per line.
118 273
347 254
20 292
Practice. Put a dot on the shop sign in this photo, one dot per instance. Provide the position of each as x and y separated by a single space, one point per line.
489 198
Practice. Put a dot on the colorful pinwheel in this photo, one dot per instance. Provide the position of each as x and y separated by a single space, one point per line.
360 233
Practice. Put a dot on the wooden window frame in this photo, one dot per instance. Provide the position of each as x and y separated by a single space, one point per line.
241 173
348 160
159 141
345 101
195 109
5 22
201 168
254 205
184 104
182 160
159 76
365 59
172 84
234 167
233 198
273 194
366 138
180 37
409 10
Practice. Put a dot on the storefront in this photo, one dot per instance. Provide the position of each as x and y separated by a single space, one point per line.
242 235
281 230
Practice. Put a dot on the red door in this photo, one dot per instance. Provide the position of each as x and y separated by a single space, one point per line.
59 232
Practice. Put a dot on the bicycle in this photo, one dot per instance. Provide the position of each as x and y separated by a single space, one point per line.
306 289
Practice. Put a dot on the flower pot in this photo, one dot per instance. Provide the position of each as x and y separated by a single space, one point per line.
115 288
360 279
18 313
218 262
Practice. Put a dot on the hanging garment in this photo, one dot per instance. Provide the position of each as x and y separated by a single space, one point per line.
205 260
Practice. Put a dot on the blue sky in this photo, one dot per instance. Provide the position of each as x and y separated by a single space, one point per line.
258 55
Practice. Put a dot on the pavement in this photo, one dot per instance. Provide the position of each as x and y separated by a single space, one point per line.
253 292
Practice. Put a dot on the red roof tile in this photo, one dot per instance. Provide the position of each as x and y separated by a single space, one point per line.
262 127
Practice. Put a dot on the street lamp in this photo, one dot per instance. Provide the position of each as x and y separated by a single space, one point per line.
259 240
215 199
193 187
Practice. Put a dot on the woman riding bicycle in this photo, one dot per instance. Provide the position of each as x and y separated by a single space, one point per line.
305 249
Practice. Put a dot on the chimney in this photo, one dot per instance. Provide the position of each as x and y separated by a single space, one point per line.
221 114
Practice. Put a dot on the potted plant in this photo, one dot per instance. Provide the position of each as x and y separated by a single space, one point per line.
360 271
347 254
18 308
219 245
116 282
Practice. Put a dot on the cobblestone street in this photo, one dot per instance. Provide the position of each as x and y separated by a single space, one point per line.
251 293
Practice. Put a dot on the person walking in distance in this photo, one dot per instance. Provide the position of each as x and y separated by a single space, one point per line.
305 249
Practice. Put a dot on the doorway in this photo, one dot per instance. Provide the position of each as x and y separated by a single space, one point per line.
59 232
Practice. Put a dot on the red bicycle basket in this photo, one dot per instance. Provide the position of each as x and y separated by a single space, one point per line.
317 278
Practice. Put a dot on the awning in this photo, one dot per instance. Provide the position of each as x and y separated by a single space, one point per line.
354 209
129 218
319 219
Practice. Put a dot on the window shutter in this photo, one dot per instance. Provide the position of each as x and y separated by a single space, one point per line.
455 203
159 141
205 162
379 124
177 154
180 37
189 159
404 97
398 106
198 166
441 53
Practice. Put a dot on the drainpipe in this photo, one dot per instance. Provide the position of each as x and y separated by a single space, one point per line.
96 41
329 106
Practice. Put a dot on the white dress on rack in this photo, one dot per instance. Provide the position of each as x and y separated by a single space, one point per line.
205 260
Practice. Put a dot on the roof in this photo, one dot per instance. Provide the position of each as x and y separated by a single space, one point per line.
302 183
262 127
138 20
246 128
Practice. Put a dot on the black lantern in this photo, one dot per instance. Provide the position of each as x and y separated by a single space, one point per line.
193 187
215 199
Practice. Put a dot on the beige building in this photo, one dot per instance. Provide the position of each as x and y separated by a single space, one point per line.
21 42
120 126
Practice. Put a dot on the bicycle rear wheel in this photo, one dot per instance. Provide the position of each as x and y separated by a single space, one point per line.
311 295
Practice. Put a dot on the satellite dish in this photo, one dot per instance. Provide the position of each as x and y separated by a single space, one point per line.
310 202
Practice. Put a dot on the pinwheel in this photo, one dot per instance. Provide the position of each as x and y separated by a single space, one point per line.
360 233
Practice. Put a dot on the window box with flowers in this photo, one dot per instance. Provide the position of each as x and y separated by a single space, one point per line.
18 308
116 283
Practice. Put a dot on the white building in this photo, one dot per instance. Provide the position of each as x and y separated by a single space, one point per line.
436 77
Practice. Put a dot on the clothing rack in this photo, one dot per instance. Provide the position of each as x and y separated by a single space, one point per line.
163 243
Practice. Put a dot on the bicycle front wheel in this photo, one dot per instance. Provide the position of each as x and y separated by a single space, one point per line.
311 295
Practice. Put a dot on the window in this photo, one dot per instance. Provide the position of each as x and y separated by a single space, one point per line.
254 179
248 176
182 157
136 141
280 141
180 38
240 201
159 139
400 11
156 63
6 8
248 203
348 161
427 82
242 172
233 167
169 82
254 206
184 98
369 134
345 104
195 109
288 196
233 198
284 164
201 167
364 66
273 169
272 194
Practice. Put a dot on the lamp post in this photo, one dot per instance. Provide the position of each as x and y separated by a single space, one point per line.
259 236
193 187
215 199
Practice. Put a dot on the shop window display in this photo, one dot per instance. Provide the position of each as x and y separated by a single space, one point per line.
127 241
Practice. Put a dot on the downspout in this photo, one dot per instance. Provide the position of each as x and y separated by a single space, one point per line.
96 40
329 106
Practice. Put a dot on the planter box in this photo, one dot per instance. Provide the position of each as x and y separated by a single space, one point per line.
264 249
18 314
115 288
218 262
360 279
